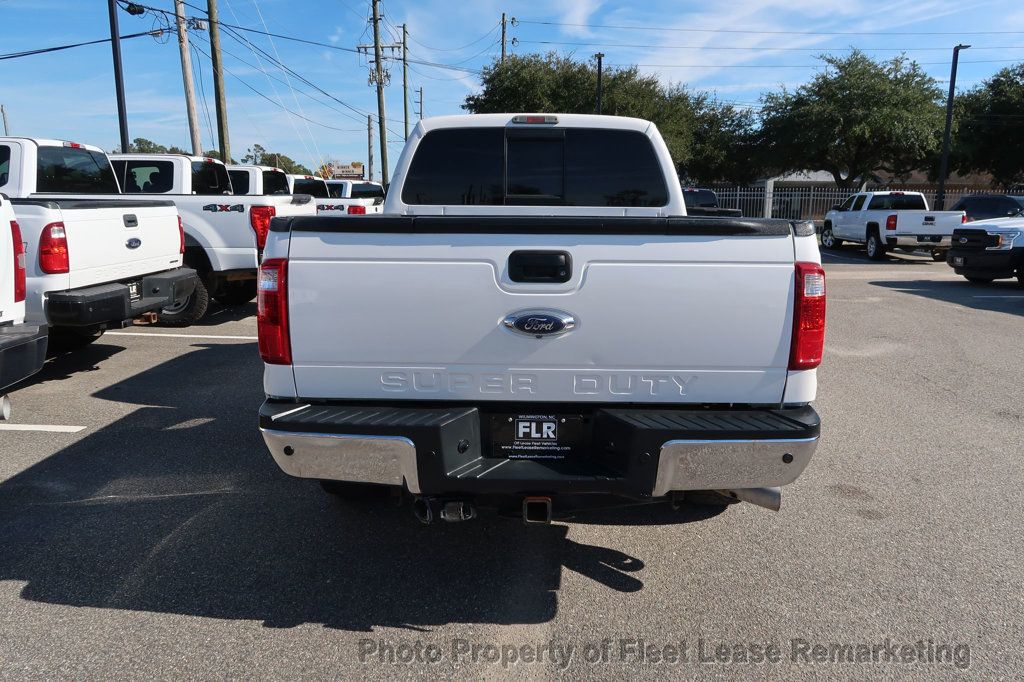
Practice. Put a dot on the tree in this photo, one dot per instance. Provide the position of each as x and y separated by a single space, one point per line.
990 128
856 116
556 84
215 154
141 145
259 156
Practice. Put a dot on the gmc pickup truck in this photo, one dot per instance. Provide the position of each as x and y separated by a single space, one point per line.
989 250
357 197
22 346
224 233
886 220
94 258
258 180
533 318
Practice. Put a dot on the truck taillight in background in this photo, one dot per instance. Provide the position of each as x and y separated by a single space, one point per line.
259 219
808 317
53 250
181 236
272 312
356 210
19 262
890 222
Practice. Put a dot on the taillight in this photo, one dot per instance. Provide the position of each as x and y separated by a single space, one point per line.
890 222
356 210
19 262
808 317
963 218
259 219
53 250
181 236
272 312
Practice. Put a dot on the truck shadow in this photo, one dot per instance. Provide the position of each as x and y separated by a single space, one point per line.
177 508
1004 296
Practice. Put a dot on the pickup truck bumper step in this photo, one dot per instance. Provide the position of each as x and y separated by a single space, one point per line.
109 303
444 450
22 352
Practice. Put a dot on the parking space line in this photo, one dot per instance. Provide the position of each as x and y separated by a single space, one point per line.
52 428
186 336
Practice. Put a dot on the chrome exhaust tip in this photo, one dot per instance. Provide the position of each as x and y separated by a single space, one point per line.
5 408
769 498
454 512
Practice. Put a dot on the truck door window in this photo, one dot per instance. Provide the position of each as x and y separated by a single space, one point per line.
275 182
74 170
239 181
5 164
146 177
210 178
859 202
845 206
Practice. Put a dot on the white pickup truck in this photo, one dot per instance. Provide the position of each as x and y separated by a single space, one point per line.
885 220
308 184
22 345
532 317
356 197
94 258
258 180
224 233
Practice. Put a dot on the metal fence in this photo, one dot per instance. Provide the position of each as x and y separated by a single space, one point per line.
811 203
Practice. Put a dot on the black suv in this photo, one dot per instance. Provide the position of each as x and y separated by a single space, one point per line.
989 206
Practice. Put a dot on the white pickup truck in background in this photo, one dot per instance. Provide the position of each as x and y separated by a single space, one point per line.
532 319
22 345
258 180
357 197
886 220
95 259
224 233
308 184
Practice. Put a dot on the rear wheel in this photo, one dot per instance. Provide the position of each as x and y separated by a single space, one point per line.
939 255
237 293
828 238
189 310
874 246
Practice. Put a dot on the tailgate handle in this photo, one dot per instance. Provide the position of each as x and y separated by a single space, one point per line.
552 267
130 220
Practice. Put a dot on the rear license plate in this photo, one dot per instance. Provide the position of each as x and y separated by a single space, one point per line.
536 436
135 291
959 261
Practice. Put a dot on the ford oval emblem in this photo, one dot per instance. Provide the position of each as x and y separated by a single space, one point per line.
133 243
540 323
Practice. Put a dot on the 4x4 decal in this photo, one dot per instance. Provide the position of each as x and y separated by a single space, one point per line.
218 208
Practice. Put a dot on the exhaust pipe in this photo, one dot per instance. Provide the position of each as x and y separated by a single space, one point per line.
423 509
769 498
458 511
5 408
536 510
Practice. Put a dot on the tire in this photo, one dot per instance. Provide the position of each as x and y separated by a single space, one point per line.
829 239
1020 275
237 293
939 255
979 280
189 311
875 248
65 339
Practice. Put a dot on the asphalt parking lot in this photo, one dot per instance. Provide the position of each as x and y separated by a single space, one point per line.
146 532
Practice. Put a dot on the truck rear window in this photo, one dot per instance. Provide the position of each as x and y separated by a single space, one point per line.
898 202
275 182
700 198
74 170
367 190
315 188
210 178
146 177
337 189
544 167
239 181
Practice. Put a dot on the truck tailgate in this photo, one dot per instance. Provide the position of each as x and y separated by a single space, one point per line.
117 240
715 297
928 223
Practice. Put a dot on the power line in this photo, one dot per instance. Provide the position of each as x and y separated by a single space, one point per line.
765 49
763 32
792 66
455 49
57 48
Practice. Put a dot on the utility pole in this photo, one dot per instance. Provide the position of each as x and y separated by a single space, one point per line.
115 48
186 76
940 197
503 37
369 147
3 113
405 78
220 98
421 102
600 78
381 119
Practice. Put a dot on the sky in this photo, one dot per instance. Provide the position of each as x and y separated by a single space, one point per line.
732 49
